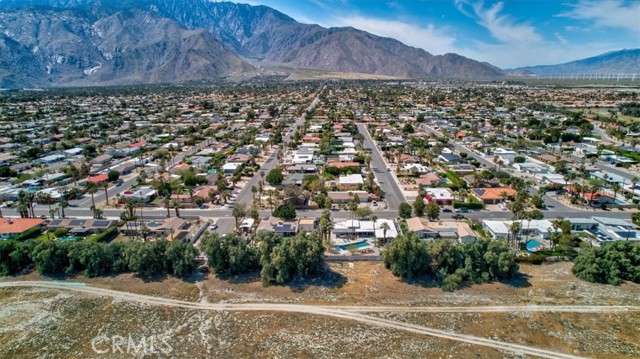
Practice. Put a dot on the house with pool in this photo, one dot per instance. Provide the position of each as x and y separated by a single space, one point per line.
361 235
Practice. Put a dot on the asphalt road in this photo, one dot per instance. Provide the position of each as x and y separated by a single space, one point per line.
393 194
245 195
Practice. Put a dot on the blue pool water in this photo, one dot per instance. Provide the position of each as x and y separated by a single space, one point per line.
358 245
68 238
532 244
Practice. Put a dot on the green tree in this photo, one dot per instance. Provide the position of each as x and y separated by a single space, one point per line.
239 212
51 257
419 206
284 259
285 212
363 212
229 255
611 263
113 175
407 256
181 258
405 210
433 211
275 177
146 259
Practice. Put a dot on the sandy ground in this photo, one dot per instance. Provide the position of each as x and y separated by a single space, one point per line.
47 323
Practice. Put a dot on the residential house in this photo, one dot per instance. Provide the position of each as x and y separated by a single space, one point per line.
82 226
101 160
540 228
293 179
347 197
425 229
307 224
50 159
494 195
441 196
13 227
98 179
278 226
351 182
140 195
449 158
303 168
365 229
173 228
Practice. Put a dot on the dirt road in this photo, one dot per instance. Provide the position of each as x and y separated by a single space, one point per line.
345 312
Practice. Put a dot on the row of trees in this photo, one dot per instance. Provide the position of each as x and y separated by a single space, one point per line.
279 259
612 263
419 209
452 265
98 259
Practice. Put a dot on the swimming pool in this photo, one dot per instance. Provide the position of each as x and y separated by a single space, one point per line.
345 247
533 246
68 238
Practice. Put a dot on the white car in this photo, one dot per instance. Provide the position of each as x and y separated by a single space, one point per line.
213 227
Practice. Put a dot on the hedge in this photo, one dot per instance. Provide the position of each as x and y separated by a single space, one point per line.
104 236
29 233
468 205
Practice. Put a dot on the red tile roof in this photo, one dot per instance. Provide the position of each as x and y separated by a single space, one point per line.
343 164
18 225
138 144
99 178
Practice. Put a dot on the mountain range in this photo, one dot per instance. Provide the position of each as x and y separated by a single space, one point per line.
626 61
108 42
97 42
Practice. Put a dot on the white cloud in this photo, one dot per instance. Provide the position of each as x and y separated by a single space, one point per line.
607 13
434 40
501 27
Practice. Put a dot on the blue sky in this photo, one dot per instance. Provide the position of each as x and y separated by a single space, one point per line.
505 33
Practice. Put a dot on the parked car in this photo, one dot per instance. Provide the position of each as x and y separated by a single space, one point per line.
447 210
374 203
213 226
458 216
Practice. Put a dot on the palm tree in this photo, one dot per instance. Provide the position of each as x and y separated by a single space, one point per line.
91 188
176 207
105 186
514 229
616 188
239 211
555 238
596 185
23 209
385 227
504 195
64 203
125 218
254 190
167 205
45 197
213 194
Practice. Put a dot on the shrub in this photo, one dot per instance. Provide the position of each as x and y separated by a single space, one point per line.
60 232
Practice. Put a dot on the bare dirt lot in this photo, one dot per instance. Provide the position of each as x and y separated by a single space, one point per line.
57 323
369 283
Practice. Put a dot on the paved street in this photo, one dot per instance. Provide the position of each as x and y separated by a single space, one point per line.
245 195
394 195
